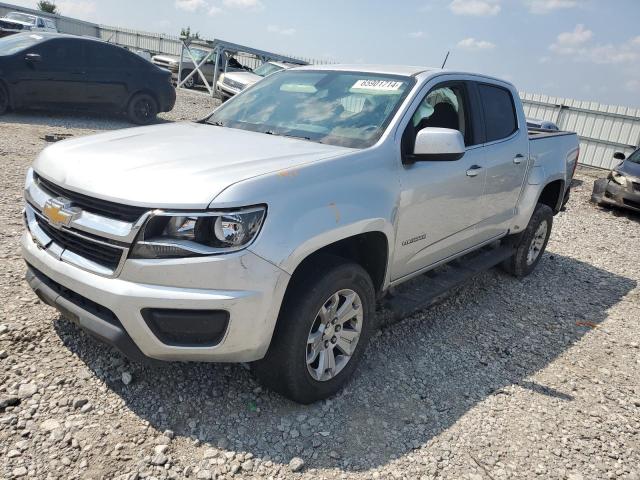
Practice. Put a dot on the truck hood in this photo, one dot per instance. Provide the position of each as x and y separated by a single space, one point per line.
166 58
245 78
178 165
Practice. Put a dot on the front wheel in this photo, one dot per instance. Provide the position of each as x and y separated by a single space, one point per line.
142 109
323 330
4 99
531 243
191 81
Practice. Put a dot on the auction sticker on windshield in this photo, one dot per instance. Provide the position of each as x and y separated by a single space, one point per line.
382 85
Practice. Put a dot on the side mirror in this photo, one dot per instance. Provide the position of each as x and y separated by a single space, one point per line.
33 58
619 156
438 144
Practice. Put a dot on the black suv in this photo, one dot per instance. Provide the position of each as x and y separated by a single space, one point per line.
53 70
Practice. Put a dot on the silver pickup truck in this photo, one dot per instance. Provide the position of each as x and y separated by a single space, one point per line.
266 232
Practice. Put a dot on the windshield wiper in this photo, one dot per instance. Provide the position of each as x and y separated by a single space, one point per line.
217 123
271 132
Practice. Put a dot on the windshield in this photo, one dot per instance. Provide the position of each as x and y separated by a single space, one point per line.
267 69
634 157
21 18
197 53
350 109
15 43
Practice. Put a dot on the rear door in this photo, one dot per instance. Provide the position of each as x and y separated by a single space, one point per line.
110 72
441 201
57 78
507 154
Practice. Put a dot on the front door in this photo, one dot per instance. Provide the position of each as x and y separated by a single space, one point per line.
441 202
55 77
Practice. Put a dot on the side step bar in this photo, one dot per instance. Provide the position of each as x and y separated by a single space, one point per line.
427 289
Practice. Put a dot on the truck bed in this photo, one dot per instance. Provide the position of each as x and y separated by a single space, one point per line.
556 150
538 133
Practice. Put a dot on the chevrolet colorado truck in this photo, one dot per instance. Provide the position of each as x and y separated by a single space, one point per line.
266 232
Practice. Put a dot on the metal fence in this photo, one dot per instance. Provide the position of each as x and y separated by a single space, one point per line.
603 129
134 39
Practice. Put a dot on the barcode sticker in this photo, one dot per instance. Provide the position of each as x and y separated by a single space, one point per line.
381 85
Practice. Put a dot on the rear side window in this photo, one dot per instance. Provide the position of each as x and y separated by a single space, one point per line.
500 118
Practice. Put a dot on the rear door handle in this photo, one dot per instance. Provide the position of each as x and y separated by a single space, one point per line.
474 171
518 159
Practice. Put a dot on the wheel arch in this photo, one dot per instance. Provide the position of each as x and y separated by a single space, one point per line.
370 250
146 91
552 195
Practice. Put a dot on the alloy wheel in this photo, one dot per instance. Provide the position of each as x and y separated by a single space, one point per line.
537 243
334 335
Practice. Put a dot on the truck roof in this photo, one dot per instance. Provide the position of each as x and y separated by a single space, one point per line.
406 70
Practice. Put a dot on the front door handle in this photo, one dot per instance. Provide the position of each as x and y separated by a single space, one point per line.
474 171
518 159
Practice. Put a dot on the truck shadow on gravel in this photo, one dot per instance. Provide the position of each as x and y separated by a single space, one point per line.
418 378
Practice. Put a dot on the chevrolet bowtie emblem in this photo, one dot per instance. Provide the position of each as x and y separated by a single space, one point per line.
59 211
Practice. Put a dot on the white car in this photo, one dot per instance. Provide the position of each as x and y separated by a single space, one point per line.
231 83
15 22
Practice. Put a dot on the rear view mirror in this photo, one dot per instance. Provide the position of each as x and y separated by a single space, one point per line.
619 156
33 58
440 144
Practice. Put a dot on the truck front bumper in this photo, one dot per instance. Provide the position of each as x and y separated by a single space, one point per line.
247 288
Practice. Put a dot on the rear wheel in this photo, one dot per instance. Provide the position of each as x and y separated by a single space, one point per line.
531 243
4 99
323 330
142 109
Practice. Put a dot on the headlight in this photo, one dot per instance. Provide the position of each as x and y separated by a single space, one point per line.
178 235
618 178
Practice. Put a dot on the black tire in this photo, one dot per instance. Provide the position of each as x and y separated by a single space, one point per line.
284 368
520 264
191 83
142 109
4 99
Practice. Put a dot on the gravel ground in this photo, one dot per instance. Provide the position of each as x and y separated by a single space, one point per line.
537 378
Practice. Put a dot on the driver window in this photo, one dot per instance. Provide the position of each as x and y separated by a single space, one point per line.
443 107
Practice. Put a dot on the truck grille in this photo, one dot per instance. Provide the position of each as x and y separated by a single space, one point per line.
105 208
96 252
232 83
10 26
